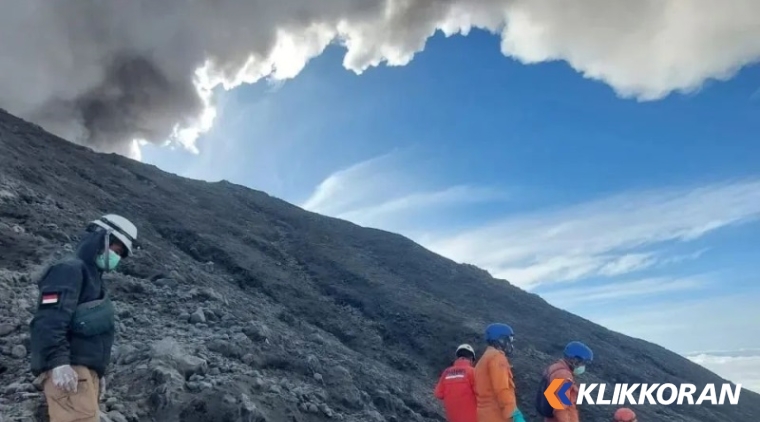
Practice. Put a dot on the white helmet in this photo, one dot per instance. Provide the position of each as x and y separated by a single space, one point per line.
120 227
465 347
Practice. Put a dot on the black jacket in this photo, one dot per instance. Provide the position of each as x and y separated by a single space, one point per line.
64 286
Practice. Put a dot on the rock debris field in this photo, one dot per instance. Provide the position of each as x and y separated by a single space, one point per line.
242 307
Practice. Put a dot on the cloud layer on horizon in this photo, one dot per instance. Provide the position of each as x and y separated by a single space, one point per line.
107 73
741 366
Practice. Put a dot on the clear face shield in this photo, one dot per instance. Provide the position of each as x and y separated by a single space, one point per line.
507 344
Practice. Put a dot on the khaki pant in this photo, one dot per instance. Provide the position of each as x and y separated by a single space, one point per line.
81 406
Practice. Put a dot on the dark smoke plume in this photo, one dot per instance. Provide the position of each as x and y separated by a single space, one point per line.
135 100
108 72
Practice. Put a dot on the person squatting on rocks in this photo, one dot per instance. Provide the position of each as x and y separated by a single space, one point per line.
73 328
456 387
624 414
575 358
494 384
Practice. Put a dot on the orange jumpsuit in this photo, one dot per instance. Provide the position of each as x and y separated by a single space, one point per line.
561 369
456 388
494 387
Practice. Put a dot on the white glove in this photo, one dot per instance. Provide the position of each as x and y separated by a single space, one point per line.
102 388
65 378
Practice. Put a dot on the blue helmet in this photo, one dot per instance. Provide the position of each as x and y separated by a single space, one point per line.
578 350
498 331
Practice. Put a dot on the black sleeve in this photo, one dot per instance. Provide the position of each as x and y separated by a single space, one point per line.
59 297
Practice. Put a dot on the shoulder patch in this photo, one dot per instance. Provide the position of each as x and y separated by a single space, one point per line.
50 298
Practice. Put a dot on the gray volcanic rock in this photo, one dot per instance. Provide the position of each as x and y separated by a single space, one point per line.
242 307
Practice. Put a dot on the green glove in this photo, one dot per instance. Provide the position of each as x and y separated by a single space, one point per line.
517 416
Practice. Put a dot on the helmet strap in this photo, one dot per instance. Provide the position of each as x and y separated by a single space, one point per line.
107 247
503 344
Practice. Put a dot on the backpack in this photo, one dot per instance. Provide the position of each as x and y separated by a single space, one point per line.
542 405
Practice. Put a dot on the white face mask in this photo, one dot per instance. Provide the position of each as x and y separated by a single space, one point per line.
579 370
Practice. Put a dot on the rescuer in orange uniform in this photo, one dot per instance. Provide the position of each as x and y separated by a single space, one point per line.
494 385
624 414
576 356
456 387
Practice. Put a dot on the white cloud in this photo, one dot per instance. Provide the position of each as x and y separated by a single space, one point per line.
355 185
421 202
743 368
107 73
608 237
378 193
603 236
623 292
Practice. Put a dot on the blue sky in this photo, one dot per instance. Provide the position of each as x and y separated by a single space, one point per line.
639 215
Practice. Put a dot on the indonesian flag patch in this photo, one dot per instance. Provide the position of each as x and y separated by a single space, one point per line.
50 298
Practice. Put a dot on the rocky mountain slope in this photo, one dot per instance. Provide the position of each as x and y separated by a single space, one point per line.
242 307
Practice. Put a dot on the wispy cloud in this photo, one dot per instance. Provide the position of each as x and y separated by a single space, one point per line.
354 187
624 291
739 353
604 236
607 237
379 193
419 201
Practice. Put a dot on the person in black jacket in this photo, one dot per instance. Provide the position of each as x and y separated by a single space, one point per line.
73 328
